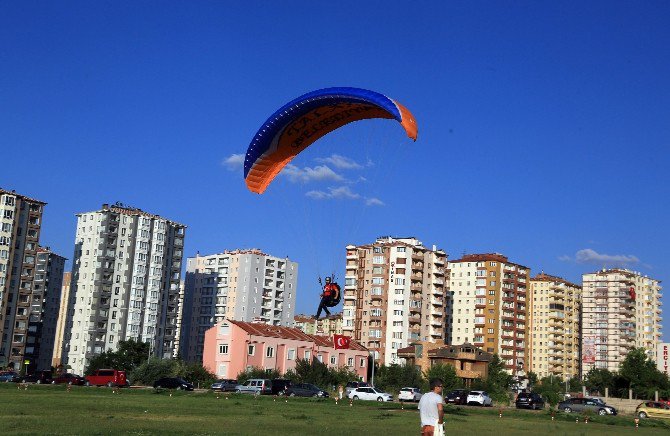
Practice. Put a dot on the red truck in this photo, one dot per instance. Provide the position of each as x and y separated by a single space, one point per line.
107 377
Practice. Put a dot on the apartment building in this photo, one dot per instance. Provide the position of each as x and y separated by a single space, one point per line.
394 294
621 311
555 317
20 224
488 297
125 283
241 285
45 305
62 318
233 347
327 326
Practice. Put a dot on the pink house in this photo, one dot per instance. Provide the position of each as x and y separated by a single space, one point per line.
232 347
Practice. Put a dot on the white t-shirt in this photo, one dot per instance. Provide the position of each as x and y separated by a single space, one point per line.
428 408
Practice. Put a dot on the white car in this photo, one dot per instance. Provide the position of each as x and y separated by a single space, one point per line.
368 393
409 394
479 398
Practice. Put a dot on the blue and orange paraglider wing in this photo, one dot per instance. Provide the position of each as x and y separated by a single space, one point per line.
299 123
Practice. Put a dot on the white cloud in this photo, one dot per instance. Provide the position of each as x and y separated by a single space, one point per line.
307 174
340 162
590 256
343 193
373 202
233 162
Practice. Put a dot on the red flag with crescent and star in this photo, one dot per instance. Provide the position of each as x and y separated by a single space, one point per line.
341 341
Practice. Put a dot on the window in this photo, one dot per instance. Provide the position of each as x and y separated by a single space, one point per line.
401 249
363 362
252 350
223 348
333 360
350 361
270 352
308 354
291 354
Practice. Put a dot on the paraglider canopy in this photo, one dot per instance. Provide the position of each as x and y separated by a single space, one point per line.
299 123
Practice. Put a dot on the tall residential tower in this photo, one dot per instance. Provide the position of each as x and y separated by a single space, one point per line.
555 312
125 283
394 294
488 298
20 224
241 285
621 311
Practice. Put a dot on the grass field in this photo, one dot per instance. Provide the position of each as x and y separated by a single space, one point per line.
54 410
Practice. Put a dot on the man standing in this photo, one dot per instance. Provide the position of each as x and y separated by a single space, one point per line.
430 408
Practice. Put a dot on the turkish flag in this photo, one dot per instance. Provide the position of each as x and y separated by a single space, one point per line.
341 341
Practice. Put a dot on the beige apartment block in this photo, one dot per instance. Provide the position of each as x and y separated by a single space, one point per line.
394 294
20 224
555 309
328 326
621 311
62 315
488 298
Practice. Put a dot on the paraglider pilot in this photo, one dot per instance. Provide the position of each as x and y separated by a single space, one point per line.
330 296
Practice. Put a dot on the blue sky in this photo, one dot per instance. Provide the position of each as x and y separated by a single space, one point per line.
544 128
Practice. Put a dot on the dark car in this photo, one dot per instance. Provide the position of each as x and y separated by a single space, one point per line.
583 404
226 385
9 376
306 390
529 400
173 383
458 396
71 379
280 385
39 377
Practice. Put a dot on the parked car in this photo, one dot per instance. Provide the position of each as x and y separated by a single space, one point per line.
409 394
173 383
369 393
39 377
353 385
226 385
72 379
9 376
107 377
458 396
479 398
305 390
583 404
280 385
653 409
529 400
261 386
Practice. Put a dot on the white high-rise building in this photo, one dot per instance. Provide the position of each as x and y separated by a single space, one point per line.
125 283
621 311
394 294
20 224
242 285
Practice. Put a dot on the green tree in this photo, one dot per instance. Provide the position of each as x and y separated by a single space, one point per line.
597 379
575 384
640 374
127 357
446 373
498 380
550 388
532 379
256 372
153 369
394 377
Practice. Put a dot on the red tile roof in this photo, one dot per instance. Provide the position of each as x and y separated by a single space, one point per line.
273 331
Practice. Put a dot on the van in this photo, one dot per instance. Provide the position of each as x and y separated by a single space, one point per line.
107 377
280 385
261 386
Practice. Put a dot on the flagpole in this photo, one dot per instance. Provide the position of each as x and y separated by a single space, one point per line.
373 369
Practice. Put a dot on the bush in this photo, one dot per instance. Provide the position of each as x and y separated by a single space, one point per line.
153 369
